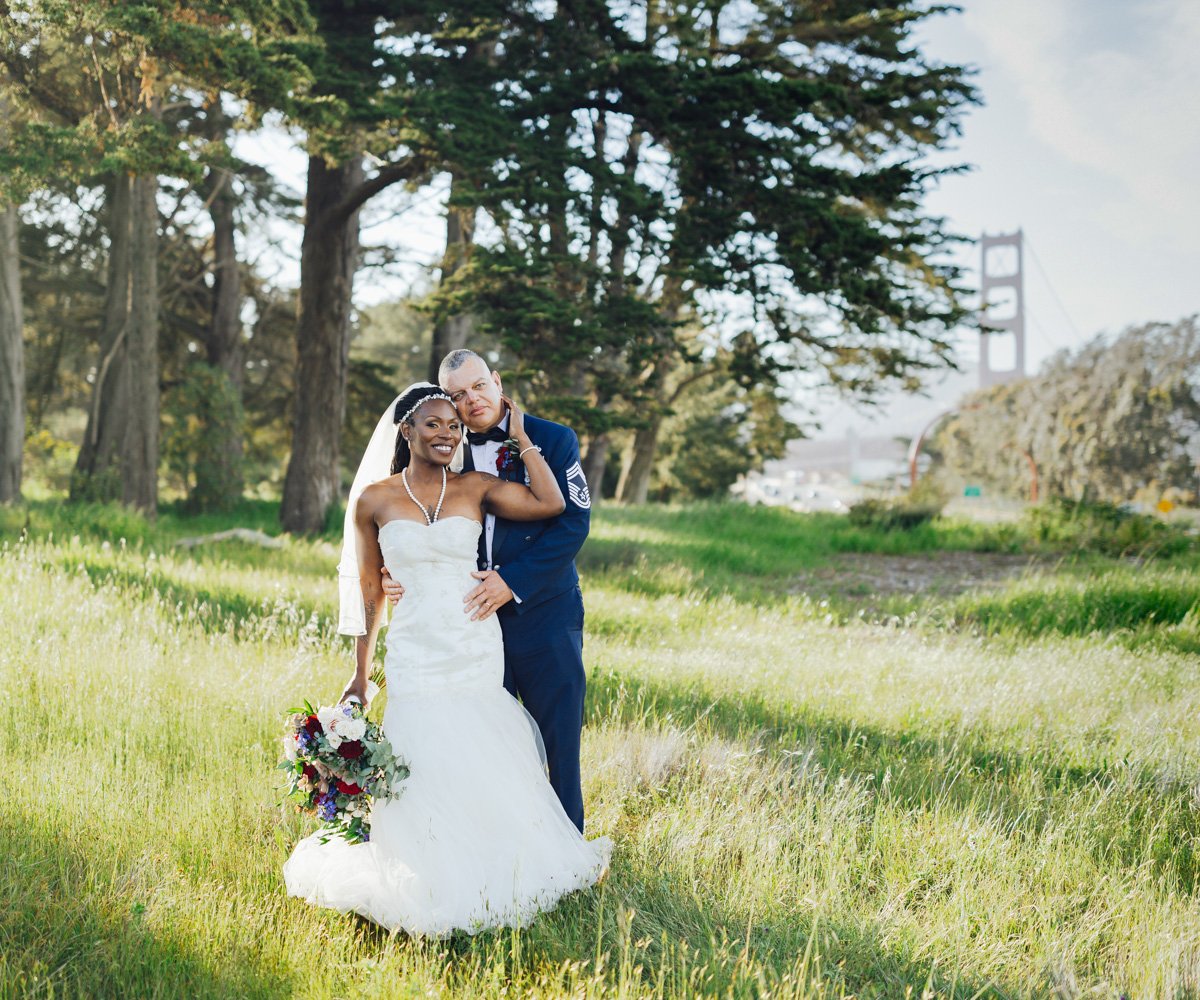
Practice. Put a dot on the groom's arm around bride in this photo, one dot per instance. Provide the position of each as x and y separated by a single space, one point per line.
537 561
527 570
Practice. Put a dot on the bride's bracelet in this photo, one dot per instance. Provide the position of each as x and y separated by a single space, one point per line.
532 447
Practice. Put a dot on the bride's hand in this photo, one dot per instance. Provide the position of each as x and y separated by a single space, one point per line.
516 419
357 688
394 589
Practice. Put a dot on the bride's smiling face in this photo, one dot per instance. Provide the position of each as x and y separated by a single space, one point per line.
435 432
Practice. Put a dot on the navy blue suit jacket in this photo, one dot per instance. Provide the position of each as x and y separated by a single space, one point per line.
537 558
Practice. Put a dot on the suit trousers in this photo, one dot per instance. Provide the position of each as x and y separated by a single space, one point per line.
543 666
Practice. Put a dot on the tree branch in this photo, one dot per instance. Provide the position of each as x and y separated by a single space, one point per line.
387 176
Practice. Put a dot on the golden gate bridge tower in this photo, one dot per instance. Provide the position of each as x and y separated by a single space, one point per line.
1001 309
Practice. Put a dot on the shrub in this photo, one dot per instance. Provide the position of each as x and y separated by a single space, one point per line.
918 506
49 459
901 514
202 418
1097 526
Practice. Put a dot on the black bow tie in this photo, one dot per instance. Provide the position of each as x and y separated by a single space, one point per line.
495 434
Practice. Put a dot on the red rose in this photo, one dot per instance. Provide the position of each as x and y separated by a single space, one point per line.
348 787
312 726
310 772
351 749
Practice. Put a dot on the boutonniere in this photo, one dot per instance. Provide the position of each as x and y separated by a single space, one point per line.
506 457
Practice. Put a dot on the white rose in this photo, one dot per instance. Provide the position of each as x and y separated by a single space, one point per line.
289 747
329 717
352 729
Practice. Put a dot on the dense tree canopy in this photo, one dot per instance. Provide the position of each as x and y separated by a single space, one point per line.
747 168
652 215
103 91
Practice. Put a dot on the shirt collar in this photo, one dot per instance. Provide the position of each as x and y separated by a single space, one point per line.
503 425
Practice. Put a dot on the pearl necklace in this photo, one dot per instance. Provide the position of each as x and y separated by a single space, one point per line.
429 518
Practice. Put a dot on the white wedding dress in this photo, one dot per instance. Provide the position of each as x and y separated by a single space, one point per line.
478 838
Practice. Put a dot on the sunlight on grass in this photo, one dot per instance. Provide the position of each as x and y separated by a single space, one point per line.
995 795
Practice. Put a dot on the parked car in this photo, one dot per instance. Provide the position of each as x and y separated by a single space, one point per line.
818 499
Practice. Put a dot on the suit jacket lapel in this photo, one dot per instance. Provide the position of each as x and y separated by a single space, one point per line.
515 474
498 536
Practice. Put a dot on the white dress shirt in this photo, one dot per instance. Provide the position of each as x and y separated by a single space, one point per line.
484 456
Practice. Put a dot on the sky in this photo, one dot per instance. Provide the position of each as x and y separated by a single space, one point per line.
1088 140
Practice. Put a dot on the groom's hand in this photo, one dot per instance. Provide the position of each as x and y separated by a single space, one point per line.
491 594
391 588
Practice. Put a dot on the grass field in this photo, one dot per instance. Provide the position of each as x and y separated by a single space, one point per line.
959 762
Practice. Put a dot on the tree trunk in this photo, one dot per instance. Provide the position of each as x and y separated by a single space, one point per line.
97 468
453 332
225 330
139 460
224 347
594 463
634 485
12 359
328 260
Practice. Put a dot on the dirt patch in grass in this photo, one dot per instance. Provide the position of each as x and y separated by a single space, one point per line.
866 577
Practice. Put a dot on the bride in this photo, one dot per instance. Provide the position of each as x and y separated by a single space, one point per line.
478 838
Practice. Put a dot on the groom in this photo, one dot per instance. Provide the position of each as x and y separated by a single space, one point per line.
527 571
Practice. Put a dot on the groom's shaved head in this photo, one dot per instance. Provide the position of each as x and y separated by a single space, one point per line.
473 388
455 360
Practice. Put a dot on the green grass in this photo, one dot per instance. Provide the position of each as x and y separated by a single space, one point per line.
976 794
751 552
1136 606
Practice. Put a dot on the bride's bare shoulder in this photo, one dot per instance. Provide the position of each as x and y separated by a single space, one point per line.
375 494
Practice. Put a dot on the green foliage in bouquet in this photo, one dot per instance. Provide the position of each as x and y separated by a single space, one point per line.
338 763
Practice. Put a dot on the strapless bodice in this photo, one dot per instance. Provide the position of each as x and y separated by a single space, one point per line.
449 541
432 644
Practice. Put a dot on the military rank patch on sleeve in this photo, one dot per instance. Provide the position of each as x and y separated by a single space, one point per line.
577 487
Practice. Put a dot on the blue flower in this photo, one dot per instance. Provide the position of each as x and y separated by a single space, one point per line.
327 808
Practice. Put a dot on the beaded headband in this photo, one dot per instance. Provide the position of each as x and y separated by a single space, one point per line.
421 402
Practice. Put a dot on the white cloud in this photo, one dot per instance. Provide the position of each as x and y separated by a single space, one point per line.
1116 92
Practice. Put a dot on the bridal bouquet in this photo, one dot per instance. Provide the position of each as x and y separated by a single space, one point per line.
338 762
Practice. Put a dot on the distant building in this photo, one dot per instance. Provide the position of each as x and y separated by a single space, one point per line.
846 459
